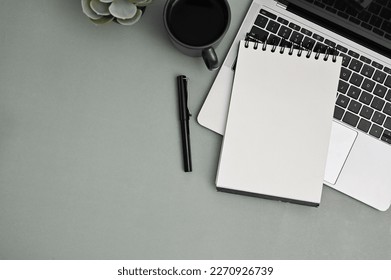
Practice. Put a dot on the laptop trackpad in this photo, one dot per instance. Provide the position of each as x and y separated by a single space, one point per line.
341 142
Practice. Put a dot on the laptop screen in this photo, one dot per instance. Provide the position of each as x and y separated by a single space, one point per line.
367 22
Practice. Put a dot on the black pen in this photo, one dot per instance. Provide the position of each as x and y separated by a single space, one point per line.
184 116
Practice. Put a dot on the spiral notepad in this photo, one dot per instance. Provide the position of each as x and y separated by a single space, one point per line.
279 123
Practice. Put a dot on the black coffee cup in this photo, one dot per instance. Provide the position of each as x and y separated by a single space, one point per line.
196 27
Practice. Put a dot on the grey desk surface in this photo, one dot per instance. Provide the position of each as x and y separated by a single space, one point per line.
90 158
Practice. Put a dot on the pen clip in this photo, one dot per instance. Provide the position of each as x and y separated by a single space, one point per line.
185 79
184 113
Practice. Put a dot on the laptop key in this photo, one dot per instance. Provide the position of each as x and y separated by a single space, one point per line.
343 86
273 40
365 59
382 2
345 60
284 32
367 70
342 49
356 79
261 34
350 119
386 137
366 25
366 97
387 109
385 13
354 92
386 26
318 37
368 85
354 54
344 15
339 5
294 26
319 47
261 21
374 8
320 5
377 103
379 76
268 14
354 106
338 112
306 32
308 43
388 96
366 112
378 118
282 20
355 65
377 65
330 9
296 37
273 26
364 125
376 131
378 32
285 43
388 81
345 74
342 100
380 90
376 21
364 16
330 43
387 123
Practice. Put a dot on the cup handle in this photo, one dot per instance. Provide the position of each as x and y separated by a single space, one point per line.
210 58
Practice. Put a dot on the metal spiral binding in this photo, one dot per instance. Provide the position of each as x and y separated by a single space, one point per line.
250 37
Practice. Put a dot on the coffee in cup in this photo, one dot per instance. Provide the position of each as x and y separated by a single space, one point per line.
196 27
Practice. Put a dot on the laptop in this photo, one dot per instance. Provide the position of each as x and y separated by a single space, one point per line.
359 156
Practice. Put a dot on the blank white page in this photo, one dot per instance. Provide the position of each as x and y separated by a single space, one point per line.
279 124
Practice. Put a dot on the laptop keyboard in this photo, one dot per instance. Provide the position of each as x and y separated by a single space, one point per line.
376 17
364 90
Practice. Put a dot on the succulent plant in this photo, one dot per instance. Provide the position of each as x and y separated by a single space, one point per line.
125 12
